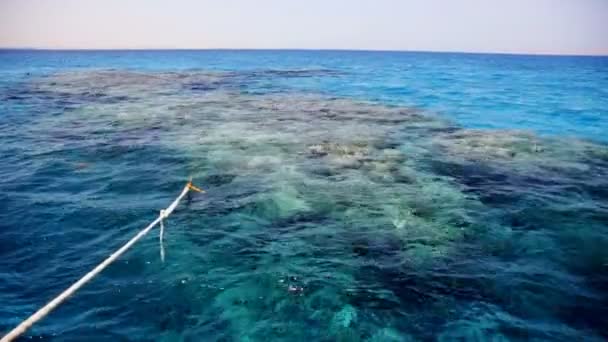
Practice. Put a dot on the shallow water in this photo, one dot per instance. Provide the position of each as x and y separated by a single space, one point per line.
341 204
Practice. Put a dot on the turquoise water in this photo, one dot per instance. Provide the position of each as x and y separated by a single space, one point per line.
353 196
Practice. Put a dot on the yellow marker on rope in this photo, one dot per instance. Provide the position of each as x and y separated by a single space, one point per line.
192 187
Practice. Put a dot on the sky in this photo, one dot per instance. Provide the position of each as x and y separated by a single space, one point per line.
505 26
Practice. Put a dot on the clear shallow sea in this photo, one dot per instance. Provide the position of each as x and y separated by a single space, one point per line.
354 196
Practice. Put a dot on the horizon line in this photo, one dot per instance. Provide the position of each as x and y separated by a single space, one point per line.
540 54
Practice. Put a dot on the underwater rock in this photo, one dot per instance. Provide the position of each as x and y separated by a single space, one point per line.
360 249
318 150
341 156
483 145
218 179
344 162
263 163
404 174
518 152
389 335
279 205
393 155
379 163
345 317
355 150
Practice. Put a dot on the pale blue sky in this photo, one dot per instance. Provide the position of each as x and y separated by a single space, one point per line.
512 26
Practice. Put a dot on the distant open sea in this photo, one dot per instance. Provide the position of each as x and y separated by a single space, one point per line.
351 195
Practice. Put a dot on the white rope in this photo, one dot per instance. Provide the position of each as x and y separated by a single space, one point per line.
50 306
160 236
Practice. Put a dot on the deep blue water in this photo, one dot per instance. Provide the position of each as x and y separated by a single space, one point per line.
355 196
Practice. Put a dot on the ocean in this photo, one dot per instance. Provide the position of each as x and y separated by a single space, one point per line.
351 195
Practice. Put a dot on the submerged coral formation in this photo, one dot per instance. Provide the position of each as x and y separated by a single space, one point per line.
366 222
